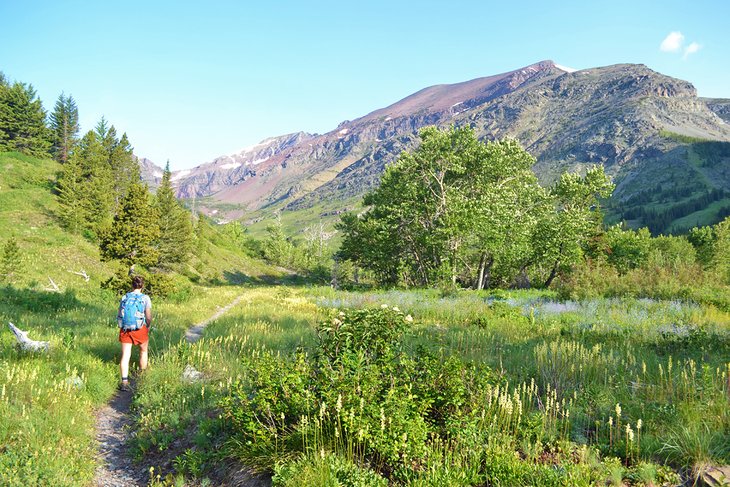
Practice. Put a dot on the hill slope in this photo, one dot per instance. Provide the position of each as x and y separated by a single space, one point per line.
28 211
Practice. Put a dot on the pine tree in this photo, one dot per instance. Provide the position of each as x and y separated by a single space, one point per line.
124 166
97 192
70 191
10 261
64 127
131 236
176 231
22 120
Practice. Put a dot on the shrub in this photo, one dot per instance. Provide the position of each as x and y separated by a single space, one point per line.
374 331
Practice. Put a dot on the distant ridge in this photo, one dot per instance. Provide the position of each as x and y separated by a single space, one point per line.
618 116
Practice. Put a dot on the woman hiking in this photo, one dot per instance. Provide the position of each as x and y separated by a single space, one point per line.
134 318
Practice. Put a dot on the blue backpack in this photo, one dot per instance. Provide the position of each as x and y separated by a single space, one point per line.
131 311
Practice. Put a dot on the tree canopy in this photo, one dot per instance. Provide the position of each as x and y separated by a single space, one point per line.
471 213
22 120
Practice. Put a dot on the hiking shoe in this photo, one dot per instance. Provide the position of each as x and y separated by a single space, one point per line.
125 387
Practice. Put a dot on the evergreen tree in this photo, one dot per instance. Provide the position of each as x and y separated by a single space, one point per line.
70 190
10 261
131 236
102 127
64 127
97 190
124 166
22 120
176 231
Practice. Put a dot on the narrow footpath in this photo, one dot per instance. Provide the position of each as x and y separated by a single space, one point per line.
113 423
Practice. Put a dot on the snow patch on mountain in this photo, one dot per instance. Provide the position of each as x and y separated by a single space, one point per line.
565 68
231 165
180 175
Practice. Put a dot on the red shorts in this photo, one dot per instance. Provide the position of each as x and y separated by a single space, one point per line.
136 337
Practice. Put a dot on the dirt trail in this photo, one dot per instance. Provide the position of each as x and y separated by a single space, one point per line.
195 332
113 422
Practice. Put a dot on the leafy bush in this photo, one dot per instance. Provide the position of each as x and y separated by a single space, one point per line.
156 284
373 331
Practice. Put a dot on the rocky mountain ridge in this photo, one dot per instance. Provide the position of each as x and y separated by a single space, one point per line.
618 116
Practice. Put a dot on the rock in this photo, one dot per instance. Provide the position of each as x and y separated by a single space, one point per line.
712 476
191 375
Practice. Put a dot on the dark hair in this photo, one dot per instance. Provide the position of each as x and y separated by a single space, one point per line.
137 282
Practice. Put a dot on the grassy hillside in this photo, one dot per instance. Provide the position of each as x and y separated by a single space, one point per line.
47 400
28 210
673 195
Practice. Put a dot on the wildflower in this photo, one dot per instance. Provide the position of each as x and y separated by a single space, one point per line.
338 406
610 421
384 306
336 322
639 424
629 432
395 308
409 318
341 314
618 410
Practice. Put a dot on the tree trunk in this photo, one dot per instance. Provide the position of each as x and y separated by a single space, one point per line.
553 273
482 265
485 269
523 280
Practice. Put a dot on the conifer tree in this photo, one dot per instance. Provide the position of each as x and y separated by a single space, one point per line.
124 166
22 120
64 127
70 190
176 231
131 236
97 192
10 260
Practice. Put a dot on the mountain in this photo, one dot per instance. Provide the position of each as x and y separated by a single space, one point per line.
151 172
721 106
650 131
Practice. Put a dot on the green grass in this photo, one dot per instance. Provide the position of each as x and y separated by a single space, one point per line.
704 217
47 402
664 363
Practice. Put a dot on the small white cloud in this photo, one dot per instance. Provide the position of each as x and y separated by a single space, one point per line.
691 49
673 42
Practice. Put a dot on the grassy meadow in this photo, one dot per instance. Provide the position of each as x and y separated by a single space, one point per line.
513 389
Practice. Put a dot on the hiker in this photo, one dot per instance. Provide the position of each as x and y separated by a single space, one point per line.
134 318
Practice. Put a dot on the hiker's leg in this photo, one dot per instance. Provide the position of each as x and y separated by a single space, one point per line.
143 355
124 363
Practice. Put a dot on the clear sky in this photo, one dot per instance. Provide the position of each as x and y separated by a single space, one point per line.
191 80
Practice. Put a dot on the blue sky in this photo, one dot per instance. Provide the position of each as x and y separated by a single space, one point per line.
189 81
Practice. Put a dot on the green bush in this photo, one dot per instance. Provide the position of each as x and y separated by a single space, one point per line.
374 331
332 470
156 284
